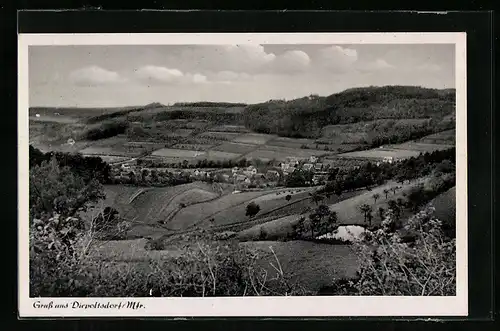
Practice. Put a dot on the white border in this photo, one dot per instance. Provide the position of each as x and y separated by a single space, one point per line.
250 306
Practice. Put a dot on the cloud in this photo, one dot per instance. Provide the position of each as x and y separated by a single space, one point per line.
228 77
162 75
379 64
429 67
246 58
336 58
94 75
291 61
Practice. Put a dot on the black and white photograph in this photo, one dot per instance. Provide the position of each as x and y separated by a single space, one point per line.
244 168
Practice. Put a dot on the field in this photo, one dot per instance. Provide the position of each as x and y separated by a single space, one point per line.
229 128
193 147
445 205
444 137
109 151
419 147
253 138
313 265
177 153
230 147
145 207
220 135
380 153
298 259
347 212
281 153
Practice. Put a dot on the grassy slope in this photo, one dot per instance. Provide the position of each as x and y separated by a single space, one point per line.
347 211
445 205
298 259
311 264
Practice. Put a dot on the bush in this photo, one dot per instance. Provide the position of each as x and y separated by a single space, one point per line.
390 266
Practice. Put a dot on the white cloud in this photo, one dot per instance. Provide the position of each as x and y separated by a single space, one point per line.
336 58
429 67
162 75
291 61
229 77
379 64
94 75
246 58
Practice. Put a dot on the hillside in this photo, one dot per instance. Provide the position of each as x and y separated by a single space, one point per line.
306 116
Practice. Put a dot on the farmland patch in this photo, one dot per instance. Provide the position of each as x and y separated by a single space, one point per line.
231 147
177 153
254 138
380 153
220 135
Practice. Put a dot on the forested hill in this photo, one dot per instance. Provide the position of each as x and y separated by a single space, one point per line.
306 116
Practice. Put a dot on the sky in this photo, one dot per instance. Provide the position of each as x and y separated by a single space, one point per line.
128 75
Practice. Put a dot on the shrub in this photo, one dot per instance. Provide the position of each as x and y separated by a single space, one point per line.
390 266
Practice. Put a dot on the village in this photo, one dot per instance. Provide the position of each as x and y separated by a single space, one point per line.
258 175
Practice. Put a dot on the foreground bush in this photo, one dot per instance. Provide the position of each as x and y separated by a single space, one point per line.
389 266
200 267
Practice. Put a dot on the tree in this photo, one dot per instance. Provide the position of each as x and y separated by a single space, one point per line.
298 228
375 197
365 209
369 217
58 189
381 213
288 197
316 197
144 174
393 205
252 209
386 192
401 203
154 175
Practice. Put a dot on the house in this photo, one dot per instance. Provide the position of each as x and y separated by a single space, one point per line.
225 176
318 167
307 166
247 181
313 159
272 174
240 178
292 161
252 170
318 179
234 171
285 166
388 159
197 172
71 141
203 173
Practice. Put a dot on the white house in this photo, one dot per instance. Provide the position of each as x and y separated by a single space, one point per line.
318 166
37 115
247 180
285 166
307 166
71 141
313 159
388 159
234 170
